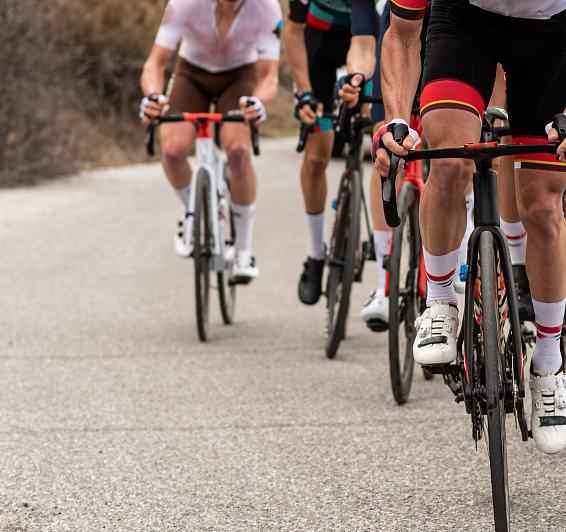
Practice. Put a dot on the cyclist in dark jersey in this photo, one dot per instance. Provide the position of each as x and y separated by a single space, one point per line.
318 39
465 41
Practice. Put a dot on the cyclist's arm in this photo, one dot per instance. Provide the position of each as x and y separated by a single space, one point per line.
266 88
361 56
153 75
294 34
401 65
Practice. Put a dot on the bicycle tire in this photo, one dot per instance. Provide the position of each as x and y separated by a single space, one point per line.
494 386
403 293
201 253
341 259
227 290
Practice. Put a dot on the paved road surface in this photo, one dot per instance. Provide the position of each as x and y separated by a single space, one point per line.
114 417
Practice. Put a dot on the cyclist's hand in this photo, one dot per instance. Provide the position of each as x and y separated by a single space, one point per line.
308 108
348 88
556 131
383 144
152 106
253 109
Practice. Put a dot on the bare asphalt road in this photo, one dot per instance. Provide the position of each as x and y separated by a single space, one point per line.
114 417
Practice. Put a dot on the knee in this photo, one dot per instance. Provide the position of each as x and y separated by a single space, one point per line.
451 176
541 216
315 165
238 156
173 154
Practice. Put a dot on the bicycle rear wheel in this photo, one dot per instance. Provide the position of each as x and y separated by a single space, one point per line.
341 259
202 252
494 382
403 293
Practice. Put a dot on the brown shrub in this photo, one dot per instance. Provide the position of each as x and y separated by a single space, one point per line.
69 81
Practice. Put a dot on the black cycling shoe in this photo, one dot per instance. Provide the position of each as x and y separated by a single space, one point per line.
523 289
310 284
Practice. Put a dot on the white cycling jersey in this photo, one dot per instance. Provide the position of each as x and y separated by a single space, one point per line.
533 9
254 33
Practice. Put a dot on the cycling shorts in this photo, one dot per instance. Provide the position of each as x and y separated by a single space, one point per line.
192 89
464 45
326 51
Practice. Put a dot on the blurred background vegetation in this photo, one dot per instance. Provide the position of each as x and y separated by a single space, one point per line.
69 85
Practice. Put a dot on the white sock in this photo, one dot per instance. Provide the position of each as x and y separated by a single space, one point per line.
244 216
549 318
517 240
315 223
381 242
440 270
469 226
184 194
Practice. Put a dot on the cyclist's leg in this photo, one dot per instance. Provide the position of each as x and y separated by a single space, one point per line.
536 76
326 51
236 141
458 79
178 139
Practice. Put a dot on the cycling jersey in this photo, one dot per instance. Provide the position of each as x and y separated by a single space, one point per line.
254 33
531 9
323 15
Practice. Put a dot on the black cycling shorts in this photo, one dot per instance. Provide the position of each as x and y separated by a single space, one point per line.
326 51
464 45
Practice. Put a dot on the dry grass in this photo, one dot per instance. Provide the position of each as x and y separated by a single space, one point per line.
70 89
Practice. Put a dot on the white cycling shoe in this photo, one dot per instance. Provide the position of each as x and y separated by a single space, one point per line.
245 269
180 244
435 343
376 311
548 395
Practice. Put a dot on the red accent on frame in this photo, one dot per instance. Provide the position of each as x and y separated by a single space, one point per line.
473 146
203 131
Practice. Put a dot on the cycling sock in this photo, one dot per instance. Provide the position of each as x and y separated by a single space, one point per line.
184 194
440 270
381 242
244 216
549 319
316 249
517 240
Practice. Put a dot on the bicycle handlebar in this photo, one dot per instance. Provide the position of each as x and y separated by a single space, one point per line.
197 118
476 151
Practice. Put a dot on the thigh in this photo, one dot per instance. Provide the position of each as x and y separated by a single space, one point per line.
235 134
459 70
239 82
536 74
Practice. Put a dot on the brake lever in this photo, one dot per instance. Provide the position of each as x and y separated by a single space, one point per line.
559 123
303 136
150 138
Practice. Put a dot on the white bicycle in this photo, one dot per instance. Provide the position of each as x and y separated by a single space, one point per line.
209 222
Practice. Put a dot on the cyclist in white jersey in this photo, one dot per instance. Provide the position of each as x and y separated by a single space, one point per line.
465 41
229 53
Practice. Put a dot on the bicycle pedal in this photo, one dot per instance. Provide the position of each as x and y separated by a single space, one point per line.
377 325
443 369
235 281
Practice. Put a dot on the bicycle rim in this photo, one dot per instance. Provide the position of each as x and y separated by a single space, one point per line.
342 256
403 304
494 383
202 254
227 291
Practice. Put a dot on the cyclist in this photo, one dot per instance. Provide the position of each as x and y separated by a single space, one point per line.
466 38
229 53
318 41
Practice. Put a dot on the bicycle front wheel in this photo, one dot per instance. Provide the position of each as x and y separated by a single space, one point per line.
403 293
227 290
202 252
494 381
341 259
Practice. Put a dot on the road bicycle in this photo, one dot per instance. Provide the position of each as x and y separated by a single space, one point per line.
489 372
346 253
209 219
